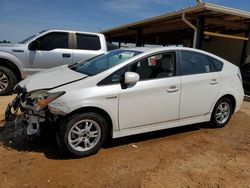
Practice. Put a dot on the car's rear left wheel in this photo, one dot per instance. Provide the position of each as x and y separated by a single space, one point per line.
222 112
82 134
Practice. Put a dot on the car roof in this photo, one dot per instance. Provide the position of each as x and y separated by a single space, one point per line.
149 50
156 49
70 31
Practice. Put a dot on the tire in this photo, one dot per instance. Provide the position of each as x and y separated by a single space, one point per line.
7 81
222 113
75 135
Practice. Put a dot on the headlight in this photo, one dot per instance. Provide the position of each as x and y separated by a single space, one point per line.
43 98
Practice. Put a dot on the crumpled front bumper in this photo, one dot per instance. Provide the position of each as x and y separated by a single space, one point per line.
12 109
31 119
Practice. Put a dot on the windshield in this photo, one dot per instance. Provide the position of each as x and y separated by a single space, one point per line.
30 37
101 63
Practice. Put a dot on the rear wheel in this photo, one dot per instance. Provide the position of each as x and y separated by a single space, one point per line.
222 112
82 134
7 81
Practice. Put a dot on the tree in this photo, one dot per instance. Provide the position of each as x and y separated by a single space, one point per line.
5 41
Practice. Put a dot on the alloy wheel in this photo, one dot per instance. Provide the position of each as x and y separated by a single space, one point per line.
84 135
223 112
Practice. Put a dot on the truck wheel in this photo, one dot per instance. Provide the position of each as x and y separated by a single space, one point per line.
7 81
82 134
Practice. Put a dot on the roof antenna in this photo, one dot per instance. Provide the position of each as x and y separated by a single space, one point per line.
199 1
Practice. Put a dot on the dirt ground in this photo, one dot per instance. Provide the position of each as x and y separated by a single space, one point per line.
192 156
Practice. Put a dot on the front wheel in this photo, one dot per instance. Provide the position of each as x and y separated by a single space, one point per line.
222 112
82 134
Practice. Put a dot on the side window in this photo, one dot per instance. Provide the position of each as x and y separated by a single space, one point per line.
157 66
53 40
115 77
88 42
194 63
216 64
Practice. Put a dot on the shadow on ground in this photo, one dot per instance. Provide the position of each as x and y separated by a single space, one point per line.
12 137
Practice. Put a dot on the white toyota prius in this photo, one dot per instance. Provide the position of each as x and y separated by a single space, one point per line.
126 92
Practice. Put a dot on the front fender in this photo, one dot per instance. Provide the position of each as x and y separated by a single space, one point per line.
13 59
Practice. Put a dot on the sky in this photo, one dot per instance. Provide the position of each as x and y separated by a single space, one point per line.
22 18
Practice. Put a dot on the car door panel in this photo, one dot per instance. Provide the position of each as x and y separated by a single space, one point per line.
149 102
200 84
53 51
48 59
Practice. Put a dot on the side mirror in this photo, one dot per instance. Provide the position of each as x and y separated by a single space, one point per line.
131 78
35 45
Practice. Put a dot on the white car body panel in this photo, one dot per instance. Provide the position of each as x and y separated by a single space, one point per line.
160 126
104 98
196 90
150 101
46 79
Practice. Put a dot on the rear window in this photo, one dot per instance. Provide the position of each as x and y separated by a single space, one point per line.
198 63
194 63
216 64
88 42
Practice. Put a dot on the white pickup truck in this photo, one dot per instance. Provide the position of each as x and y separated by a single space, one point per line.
44 50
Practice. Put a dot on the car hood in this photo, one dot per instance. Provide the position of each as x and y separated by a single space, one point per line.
51 78
10 45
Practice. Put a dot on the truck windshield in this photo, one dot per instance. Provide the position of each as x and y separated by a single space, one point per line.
31 37
103 62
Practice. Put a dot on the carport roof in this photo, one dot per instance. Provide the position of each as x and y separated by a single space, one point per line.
217 18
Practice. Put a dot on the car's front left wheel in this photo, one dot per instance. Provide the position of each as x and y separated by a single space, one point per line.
82 134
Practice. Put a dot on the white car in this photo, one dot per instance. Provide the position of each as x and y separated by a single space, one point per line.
126 92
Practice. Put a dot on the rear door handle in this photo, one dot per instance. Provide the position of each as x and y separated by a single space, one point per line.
213 81
66 55
172 89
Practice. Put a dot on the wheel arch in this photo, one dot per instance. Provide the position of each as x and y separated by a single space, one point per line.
99 111
231 97
12 66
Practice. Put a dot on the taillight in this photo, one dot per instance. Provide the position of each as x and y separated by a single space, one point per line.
239 75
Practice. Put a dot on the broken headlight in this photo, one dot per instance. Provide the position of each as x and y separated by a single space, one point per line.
42 98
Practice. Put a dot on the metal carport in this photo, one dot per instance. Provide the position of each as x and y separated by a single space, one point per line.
221 30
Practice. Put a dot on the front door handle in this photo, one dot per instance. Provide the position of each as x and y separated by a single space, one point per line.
213 81
172 89
66 55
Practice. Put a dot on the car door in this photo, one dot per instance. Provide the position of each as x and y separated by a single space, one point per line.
86 46
200 84
53 50
155 97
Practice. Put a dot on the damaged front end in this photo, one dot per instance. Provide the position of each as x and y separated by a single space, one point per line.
33 107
